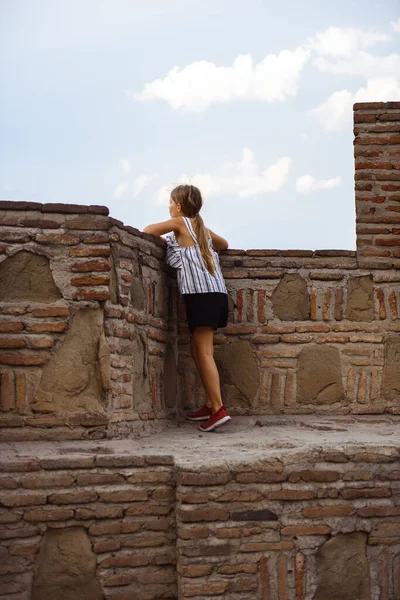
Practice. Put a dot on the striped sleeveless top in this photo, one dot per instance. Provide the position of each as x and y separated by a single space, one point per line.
193 276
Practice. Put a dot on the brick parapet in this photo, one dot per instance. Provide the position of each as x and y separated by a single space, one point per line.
377 181
246 530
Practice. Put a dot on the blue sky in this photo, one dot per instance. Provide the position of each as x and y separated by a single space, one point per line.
115 102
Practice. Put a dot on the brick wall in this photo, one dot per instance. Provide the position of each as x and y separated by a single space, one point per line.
344 301
308 330
82 293
264 529
377 179
256 530
124 503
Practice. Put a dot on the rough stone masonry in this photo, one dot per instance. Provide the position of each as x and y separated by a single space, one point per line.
94 349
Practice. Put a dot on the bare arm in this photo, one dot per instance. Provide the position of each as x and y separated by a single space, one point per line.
219 243
158 229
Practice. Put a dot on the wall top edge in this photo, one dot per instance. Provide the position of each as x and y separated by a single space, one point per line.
54 207
362 105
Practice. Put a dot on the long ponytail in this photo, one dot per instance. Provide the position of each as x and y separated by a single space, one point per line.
201 235
189 197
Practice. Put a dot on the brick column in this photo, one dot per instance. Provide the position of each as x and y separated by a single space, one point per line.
377 182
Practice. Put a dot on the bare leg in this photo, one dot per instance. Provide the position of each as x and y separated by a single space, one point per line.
196 360
204 351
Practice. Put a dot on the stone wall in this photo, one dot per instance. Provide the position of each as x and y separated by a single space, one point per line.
320 524
319 330
88 527
93 340
86 323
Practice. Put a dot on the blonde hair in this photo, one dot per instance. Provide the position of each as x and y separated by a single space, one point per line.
189 197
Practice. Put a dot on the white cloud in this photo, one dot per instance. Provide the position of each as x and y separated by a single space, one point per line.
361 64
198 85
141 182
342 51
341 42
120 189
396 25
243 179
125 164
336 112
307 184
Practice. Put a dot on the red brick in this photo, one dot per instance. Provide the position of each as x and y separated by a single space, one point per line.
119 579
151 477
327 511
352 493
99 479
238 568
108 546
6 327
7 391
266 546
88 224
22 359
76 497
91 295
292 495
99 512
260 477
296 476
264 579
379 511
23 549
209 588
47 481
54 238
239 329
63 462
90 280
49 514
47 328
41 343
91 265
195 570
119 527
124 561
123 496
202 479
210 514
22 499
193 533
90 252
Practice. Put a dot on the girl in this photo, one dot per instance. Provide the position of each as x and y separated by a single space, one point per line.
191 249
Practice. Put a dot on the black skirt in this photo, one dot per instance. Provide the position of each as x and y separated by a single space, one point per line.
209 309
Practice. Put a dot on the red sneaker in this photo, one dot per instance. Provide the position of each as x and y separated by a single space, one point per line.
203 414
216 419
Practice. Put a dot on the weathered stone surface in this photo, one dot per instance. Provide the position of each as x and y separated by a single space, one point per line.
360 299
161 298
170 378
27 276
138 296
114 297
73 379
239 371
141 380
65 567
319 376
290 299
342 565
391 370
